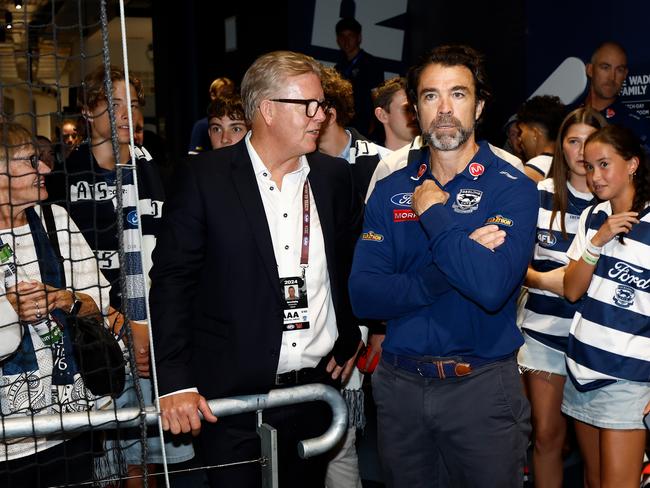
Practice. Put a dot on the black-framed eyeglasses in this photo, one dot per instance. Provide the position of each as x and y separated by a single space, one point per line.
34 159
311 104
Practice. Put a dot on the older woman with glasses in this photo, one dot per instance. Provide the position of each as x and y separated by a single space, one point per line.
38 374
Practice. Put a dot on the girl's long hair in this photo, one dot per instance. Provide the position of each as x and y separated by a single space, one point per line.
560 168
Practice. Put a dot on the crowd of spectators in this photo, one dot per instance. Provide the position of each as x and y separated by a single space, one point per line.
322 213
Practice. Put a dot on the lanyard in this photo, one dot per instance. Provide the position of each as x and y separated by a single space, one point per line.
304 253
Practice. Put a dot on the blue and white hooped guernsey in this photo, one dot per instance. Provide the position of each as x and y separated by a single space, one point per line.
610 334
547 316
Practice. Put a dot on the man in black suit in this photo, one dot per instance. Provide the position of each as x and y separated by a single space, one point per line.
261 215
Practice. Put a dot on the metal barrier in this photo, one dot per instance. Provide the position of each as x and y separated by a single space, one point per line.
42 425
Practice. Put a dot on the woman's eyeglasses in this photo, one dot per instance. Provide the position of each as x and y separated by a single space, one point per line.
34 159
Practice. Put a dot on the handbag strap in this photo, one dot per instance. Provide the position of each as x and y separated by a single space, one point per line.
54 238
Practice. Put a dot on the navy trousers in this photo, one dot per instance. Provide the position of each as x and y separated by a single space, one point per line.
469 431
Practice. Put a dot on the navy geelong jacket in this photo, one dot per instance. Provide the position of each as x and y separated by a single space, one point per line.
442 293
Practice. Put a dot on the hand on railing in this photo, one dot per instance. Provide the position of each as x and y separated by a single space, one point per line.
180 412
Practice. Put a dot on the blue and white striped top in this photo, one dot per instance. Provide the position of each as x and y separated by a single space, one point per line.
610 334
547 316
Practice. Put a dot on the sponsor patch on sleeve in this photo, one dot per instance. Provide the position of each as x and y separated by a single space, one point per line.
372 236
404 215
402 199
500 220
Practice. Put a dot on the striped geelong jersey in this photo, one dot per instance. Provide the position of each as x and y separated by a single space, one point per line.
541 164
547 316
91 202
610 334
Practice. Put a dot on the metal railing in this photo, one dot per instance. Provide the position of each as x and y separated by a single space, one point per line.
43 425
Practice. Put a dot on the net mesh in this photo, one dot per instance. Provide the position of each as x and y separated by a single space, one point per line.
50 364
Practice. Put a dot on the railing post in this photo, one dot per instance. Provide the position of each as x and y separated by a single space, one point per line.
269 443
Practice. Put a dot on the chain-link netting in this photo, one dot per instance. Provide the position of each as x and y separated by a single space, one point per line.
77 225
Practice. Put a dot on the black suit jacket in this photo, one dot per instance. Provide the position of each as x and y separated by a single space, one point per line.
215 297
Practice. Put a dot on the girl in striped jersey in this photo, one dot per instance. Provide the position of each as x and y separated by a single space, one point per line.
547 316
608 354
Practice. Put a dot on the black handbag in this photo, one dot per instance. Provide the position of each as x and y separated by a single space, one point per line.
98 354
96 350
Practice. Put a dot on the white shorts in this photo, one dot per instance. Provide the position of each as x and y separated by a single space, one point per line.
535 356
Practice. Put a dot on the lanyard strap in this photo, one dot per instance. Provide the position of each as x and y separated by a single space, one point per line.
304 253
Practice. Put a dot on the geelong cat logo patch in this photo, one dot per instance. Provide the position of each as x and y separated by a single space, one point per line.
467 201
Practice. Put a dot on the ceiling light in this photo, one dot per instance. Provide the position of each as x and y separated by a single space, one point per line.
18 4
8 20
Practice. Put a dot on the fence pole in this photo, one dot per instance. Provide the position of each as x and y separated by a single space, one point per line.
269 447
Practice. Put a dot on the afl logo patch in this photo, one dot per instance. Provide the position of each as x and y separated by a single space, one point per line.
546 238
476 169
132 217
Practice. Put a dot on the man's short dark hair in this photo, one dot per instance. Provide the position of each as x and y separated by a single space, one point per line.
383 94
229 105
545 111
451 55
348 23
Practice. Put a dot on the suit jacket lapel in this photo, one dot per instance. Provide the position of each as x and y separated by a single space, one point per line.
249 195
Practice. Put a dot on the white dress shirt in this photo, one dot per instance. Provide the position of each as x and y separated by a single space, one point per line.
283 208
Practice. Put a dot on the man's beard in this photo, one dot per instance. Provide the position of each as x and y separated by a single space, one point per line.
447 141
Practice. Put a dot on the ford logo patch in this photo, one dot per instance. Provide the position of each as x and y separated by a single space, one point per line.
402 199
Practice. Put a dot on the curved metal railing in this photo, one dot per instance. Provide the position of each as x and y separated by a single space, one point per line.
42 425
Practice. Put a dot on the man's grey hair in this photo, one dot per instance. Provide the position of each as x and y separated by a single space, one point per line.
269 73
